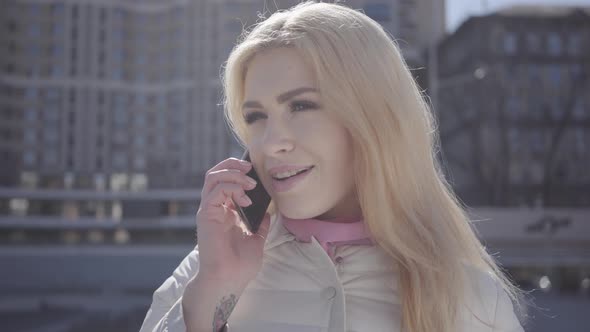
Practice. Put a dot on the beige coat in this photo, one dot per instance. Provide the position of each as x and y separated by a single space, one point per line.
299 289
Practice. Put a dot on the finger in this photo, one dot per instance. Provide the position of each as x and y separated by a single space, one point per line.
230 214
224 191
227 176
231 163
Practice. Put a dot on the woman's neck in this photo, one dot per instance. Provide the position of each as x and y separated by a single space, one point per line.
338 219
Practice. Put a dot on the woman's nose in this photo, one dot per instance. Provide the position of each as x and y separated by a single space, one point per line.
277 138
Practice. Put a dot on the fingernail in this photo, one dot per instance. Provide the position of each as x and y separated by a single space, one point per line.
245 162
248 200
251 181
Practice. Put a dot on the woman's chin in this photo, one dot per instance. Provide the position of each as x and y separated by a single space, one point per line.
295 212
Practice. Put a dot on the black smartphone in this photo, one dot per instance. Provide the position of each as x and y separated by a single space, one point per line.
253 214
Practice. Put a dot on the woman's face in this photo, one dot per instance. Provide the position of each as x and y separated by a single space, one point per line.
289 126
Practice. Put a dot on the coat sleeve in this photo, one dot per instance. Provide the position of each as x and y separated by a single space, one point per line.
505 319
165 312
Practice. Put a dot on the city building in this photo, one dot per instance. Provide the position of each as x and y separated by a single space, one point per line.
127 95
109 94
514 109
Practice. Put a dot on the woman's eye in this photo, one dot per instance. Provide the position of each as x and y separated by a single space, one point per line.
250 118
302 105
294 106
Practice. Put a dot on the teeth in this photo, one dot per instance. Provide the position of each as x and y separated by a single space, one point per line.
283 175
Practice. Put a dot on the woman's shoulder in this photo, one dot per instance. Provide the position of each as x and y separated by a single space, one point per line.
488 301
173 286
482 282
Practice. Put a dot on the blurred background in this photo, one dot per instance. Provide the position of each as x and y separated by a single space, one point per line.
110 116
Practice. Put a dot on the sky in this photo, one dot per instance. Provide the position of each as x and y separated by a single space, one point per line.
459 10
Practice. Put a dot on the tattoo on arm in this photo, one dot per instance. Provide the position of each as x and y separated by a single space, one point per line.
223 311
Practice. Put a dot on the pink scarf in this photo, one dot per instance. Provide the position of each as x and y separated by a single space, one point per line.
329 234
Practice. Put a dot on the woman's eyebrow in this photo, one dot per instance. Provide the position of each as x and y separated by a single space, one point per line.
290 94
282 98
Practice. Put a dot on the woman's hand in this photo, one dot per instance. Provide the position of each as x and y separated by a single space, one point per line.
227 251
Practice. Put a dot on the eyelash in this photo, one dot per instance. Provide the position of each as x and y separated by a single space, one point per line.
252 117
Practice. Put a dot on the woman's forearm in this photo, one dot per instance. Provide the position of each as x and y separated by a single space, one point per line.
208 302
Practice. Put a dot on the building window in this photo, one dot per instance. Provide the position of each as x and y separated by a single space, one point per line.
74 54
139 141
58 30
31 93
555 76
118 15
33 51
580 142
34 30
509 43
537 141
119 161
50 135
161 101
51 114
58 51
557 107
121 100
58 10
141 99
53 94
139 181
12 26
514 139
57 71
29 158
516 172
50 157
30 114
579 112
35 9
160 142
30 136
117 56
533 42
12 47
116 74
119 181
140 120
513 106
119 137
120 117
139 162
380 12
141 59
574 44
554 43
9 68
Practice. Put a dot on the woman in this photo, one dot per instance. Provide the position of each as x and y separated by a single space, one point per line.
369 237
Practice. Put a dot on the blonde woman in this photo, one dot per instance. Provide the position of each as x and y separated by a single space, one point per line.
369 237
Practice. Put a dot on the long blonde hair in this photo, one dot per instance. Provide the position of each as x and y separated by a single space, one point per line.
407 204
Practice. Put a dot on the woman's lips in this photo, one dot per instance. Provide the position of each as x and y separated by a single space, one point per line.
290 183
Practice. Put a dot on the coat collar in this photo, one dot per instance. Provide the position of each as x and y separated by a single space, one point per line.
277 234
